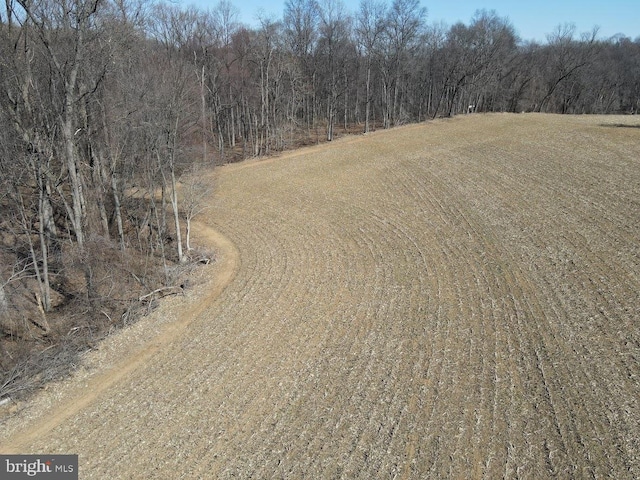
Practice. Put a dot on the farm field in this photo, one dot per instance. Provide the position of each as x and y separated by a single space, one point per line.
456 299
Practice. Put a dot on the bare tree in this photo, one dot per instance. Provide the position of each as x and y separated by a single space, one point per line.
59 25
404 29
333 49
563 58
370 28
301 31
195 191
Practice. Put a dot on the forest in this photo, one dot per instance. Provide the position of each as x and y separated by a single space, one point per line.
110 109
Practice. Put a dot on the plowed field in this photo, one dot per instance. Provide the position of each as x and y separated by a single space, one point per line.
458 299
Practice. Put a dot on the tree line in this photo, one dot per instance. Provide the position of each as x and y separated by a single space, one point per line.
109 107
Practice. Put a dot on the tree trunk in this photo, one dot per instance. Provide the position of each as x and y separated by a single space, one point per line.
116 206
77 213
44 298
368 103
44 251
100 185
188 234
203 105
176 215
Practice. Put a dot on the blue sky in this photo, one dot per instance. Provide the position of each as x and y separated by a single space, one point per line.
532 19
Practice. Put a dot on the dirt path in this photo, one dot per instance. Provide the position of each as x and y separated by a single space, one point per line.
76 396
452 300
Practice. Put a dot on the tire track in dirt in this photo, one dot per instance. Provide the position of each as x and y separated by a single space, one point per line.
81 398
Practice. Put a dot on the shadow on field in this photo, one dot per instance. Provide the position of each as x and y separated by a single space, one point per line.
619 125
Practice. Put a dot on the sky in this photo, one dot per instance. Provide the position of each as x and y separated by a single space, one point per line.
532 19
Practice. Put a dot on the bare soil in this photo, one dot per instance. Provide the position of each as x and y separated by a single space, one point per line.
457 299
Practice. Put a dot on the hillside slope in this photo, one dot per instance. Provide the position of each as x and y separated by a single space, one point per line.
459 299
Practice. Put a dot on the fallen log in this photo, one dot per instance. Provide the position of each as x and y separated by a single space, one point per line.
175 290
